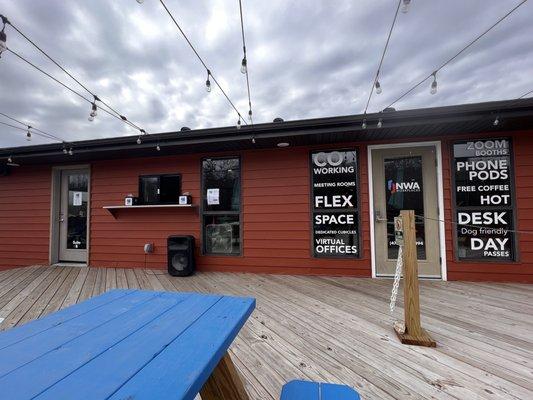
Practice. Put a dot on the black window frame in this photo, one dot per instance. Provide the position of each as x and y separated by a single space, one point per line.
204 212
158 176
312 209
455 209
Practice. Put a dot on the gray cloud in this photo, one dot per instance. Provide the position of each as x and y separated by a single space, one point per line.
306 59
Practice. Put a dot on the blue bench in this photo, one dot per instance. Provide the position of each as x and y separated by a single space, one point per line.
304 390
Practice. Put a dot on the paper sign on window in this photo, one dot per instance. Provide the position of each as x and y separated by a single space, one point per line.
213 197
77 199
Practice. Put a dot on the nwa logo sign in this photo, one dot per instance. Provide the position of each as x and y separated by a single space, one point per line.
401 187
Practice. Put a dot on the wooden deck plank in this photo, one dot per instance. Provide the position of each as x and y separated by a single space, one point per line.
333 329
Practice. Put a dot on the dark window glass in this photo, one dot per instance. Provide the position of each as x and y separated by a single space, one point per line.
334 203
159 189
77 211
484 200
404 191
221 179
222 234
170 189
149 189
221 204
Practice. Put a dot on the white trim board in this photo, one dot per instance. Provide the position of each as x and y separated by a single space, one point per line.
440 197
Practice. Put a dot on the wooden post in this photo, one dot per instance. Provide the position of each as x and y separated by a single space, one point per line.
414 334
224 383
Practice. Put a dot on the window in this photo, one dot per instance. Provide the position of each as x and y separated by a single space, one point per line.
221 206
484 200
159 189
335 210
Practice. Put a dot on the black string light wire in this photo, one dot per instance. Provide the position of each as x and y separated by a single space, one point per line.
35 130
244 66
433 74
95 97
81 96
209 71
375 84
67 148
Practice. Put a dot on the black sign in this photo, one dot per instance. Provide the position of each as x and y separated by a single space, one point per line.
484 199
335 204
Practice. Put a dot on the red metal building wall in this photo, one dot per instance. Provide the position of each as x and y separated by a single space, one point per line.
25 216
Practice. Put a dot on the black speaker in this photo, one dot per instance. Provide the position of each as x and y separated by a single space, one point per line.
180 254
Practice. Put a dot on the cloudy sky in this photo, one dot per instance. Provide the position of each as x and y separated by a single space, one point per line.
307 58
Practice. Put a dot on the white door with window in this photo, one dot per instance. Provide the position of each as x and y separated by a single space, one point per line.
405 178
73 210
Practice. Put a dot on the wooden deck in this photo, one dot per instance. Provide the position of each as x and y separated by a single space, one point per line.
332 329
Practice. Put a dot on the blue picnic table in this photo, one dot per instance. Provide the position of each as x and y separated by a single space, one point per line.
127 344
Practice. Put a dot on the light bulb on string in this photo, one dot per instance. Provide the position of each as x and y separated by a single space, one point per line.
239 123
433 89
70 152
65 151
380 123
244 65
250 115
405 6
28 134
158 148
93 112
139 141
363 125
378 87
253 139
140 1
496 121
3 40
208 82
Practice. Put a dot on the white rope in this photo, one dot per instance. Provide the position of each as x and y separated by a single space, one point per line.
396 284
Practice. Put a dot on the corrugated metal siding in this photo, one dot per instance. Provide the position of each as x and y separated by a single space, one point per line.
25 216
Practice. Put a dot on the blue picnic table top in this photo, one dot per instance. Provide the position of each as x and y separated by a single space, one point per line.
124 344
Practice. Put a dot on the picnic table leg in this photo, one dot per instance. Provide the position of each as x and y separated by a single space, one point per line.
224 383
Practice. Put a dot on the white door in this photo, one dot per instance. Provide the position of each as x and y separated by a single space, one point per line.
73 216
405 178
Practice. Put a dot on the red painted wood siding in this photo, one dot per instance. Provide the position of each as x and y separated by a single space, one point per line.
275 215
25 216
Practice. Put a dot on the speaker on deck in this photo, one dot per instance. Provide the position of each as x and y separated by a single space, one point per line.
180 253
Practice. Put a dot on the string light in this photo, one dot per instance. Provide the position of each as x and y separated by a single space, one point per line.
378 87
139 140
244 67
253 139
70 152
239 123
433 89
250 114
363 125
28 134
140 1
65 151
405 6
93 113
496 121
158 148
3 36
461 51
208 82
199 58
109 110
380 123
